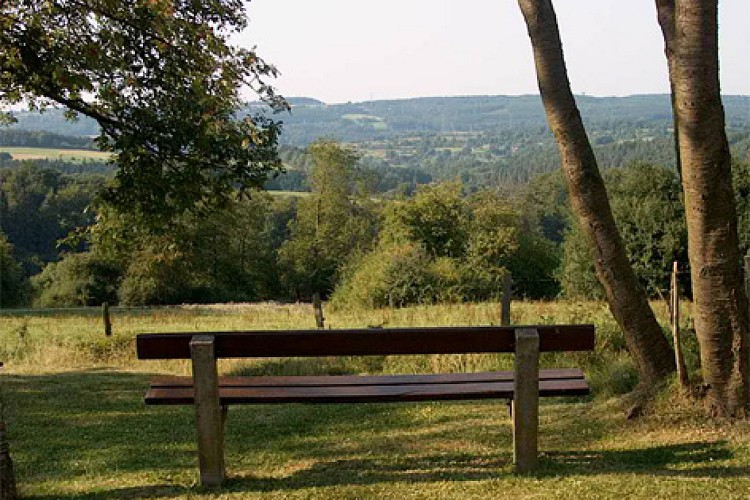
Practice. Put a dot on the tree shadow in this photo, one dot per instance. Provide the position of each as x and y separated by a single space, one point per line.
678 460
127 493
94 424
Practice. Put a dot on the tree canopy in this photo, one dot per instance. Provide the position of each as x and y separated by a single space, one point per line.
163 82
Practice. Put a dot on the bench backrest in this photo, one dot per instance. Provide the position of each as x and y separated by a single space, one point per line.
371 341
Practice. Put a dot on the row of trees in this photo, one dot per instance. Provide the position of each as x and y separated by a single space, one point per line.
35 139
280 247
444 243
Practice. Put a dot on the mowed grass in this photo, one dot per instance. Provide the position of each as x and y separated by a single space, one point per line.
78 427
74 155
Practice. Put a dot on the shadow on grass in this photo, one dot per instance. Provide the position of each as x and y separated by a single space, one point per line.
154 491
678 460
654 461
92 426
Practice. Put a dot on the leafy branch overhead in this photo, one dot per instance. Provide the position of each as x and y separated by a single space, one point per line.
163 82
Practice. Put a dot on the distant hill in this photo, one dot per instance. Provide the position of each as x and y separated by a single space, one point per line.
53 121
304 101
483 140
379 120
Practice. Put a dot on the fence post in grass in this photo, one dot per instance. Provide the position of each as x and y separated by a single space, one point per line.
106 320
525 405
747 277
507 297
318 307
209 415
674 299
7 478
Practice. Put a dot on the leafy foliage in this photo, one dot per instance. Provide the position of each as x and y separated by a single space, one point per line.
14 287
334 223
441 246
39 207
79 279
650 217
228 255
162 81
437 218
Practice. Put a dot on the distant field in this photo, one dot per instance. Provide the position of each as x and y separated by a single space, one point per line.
54 154
374 122
295 194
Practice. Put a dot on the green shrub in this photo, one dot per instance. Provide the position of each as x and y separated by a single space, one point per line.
392 275
79 279
156 276
436 247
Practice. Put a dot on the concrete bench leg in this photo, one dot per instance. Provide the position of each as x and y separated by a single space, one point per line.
525 405
209 414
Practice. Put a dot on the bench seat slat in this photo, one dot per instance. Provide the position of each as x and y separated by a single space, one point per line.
336 380
365 394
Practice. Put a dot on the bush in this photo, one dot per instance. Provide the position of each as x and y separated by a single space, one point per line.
79 279
157 277
442 247
392 275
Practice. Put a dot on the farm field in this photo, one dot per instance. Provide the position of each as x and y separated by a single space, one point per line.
78 428
72 155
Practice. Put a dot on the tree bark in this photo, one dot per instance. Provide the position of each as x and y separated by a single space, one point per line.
720 307
665 10
627 300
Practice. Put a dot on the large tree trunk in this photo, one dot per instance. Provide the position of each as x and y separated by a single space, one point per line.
627 300
720 307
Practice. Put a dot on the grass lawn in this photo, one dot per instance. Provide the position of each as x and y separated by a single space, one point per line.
78 428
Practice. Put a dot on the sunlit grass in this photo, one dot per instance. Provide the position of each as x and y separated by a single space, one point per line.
80 155
79 429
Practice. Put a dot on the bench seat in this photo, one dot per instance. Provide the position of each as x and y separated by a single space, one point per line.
170 390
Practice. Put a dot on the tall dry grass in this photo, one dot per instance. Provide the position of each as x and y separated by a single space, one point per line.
56 341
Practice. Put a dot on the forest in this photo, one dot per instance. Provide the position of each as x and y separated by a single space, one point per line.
339 223
358 215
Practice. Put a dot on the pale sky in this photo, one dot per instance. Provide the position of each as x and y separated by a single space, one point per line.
355 50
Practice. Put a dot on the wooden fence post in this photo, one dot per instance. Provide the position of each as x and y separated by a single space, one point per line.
106 320
525 406
318 306
506 299
674 299
209 415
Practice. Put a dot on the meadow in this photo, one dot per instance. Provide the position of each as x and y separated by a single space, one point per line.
78 428
71 155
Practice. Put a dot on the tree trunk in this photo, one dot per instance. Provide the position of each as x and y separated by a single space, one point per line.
720 308
627 300
665 15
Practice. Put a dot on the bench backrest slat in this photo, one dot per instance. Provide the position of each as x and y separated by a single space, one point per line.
372 341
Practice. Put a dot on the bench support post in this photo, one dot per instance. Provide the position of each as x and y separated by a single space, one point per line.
209 415
525 407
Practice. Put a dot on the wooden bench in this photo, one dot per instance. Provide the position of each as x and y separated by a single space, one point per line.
211 394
